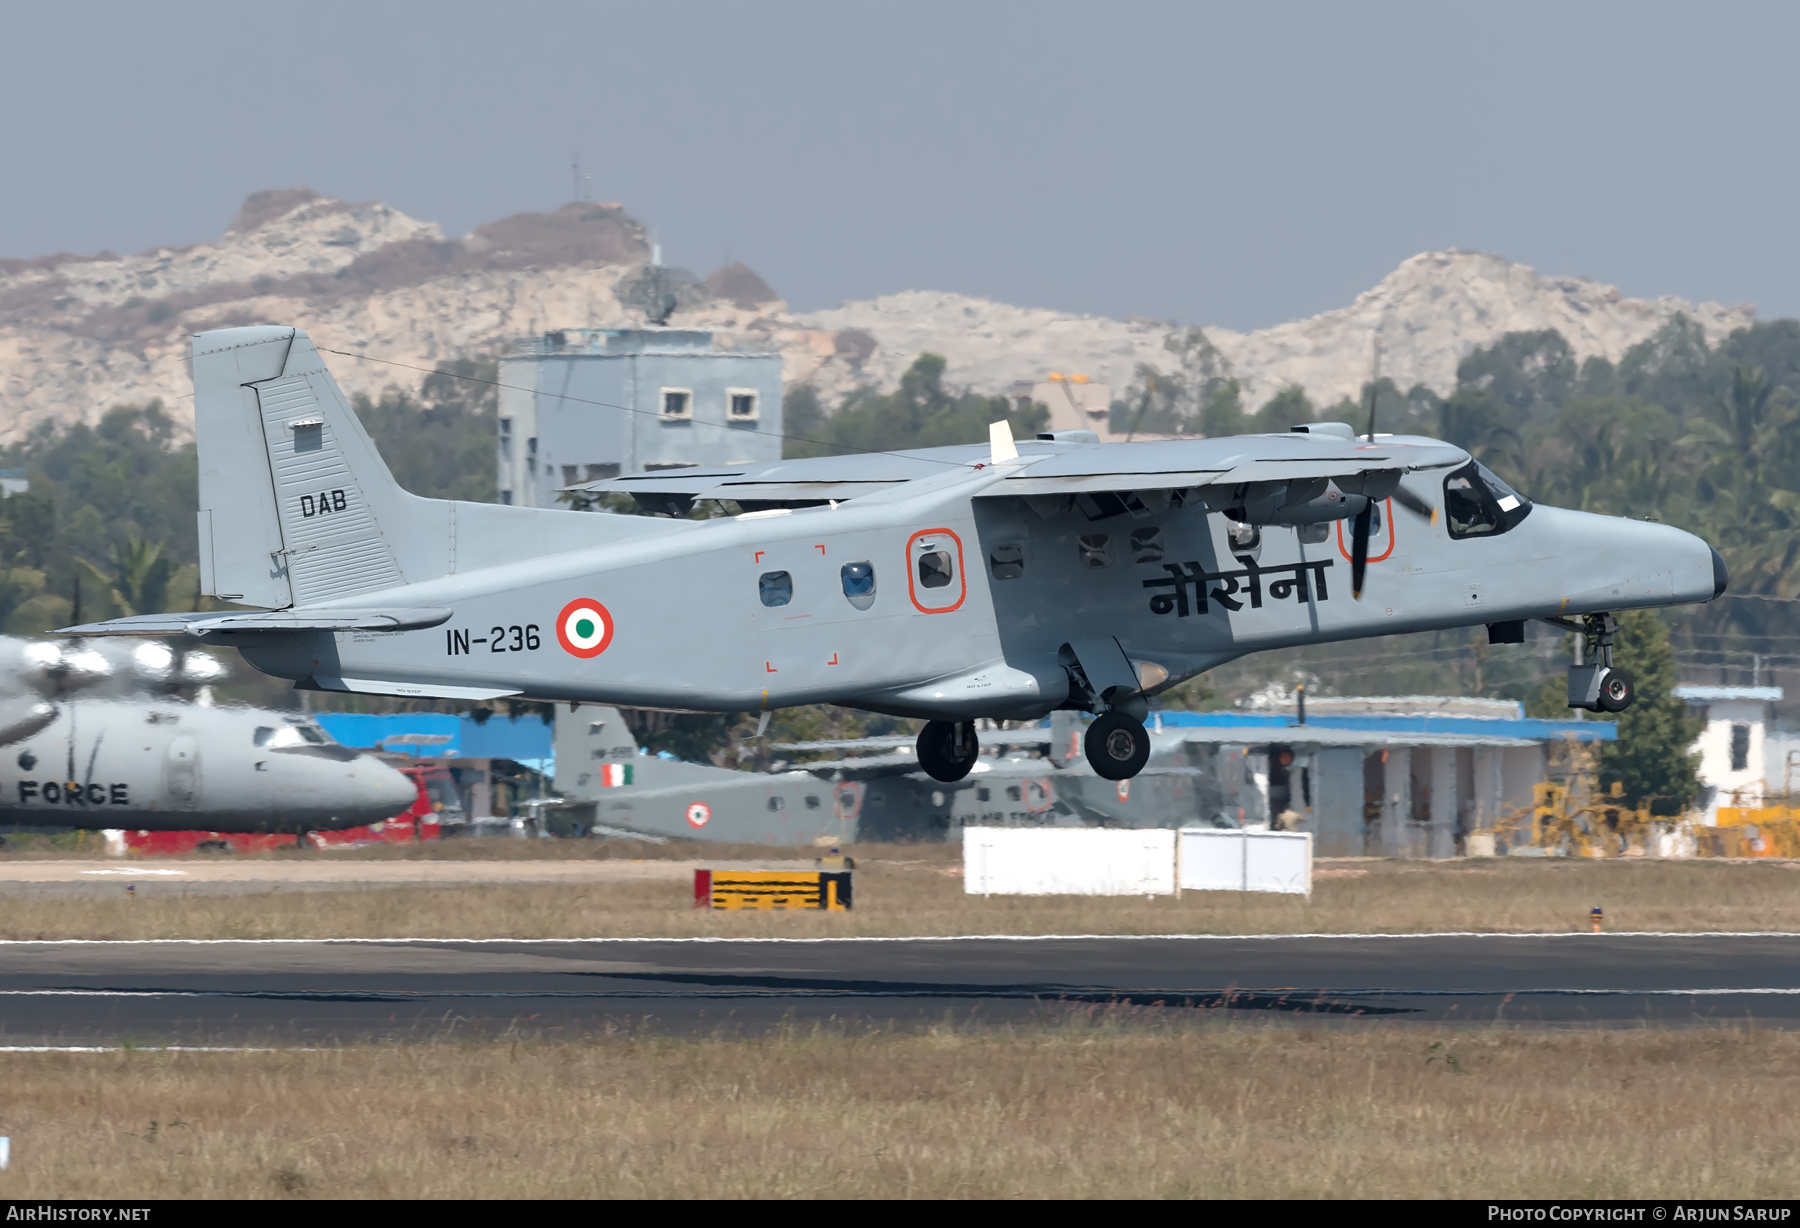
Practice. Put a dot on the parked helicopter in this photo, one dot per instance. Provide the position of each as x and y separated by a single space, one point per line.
1004 581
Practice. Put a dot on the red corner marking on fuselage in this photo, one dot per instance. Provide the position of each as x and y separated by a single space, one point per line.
833 660
818 547
759 555
769 667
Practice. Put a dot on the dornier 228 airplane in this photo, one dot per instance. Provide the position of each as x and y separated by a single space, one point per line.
1002 581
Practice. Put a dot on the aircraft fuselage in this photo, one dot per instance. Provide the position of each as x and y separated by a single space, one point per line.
757 611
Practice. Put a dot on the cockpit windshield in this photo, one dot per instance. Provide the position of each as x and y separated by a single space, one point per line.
1478 504
294 733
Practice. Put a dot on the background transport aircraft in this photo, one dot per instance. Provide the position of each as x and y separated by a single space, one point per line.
947 584
85 747
1025 777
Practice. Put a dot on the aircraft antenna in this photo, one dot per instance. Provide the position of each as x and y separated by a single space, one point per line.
1374 384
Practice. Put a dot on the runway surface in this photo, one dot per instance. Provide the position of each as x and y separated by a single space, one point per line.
326 991
256 875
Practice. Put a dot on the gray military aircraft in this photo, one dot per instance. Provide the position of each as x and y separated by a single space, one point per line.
103 742
1033 777
949 584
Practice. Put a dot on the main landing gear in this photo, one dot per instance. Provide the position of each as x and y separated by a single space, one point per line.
948 749
1117 745
1594 683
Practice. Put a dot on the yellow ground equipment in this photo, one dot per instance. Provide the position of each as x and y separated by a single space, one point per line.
1582 824
1753 831
727 890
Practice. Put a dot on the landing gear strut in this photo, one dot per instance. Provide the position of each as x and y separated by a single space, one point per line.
1593 682
948 749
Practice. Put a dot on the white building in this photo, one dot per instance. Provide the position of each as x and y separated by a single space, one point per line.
1736 767
584 404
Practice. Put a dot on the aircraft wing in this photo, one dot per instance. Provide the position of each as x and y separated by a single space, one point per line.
1232 462
266 620
820 478
1051 468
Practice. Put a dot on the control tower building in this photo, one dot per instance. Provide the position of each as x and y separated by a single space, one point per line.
582 404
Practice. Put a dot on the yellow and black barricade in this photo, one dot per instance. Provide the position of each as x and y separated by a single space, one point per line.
769 889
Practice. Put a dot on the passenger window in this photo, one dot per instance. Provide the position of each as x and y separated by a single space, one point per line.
859 584
1096 549
1314 534
263 734
1007 562
935 570
1147 545
776 588
1243 537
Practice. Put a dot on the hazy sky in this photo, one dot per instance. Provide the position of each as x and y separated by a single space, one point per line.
1219 164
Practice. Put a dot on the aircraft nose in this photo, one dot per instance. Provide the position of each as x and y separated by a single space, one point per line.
382 789
1721 575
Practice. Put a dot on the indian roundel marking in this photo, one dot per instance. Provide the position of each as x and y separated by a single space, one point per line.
584 628
698 813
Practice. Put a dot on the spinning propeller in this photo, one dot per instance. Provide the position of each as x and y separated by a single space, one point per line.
1364 522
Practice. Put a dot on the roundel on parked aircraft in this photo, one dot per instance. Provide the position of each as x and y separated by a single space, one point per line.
698 813
584 628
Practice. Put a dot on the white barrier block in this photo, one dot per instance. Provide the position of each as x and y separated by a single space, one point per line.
1216 859
1068 861
1278 861
1212 859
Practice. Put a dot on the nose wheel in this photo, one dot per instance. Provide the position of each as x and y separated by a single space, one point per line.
1117 746
1594 683
948 749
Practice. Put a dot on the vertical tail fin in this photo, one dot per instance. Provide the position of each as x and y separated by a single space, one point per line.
292 490
298 508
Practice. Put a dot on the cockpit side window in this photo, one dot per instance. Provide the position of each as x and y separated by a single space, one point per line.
1479 504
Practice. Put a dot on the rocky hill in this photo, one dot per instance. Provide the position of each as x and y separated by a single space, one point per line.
81 333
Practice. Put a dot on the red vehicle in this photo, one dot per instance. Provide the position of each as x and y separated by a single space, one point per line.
420 821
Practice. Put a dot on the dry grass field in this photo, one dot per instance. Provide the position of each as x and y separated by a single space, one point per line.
1085 1108
919 892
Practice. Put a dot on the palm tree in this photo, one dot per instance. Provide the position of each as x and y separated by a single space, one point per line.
140 584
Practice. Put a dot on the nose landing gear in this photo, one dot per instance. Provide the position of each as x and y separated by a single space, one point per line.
1594 683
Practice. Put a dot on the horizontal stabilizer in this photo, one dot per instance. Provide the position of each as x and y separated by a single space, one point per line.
267 620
